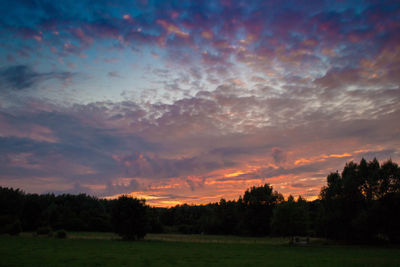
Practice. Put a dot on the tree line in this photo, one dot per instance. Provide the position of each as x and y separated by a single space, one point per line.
360 204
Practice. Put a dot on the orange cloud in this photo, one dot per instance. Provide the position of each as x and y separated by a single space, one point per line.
361 151
309 42
234 174
344 155
38 38
207 35
319 158
302 161
171 28
127 17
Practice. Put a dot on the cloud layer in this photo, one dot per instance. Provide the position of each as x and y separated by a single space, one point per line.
193 101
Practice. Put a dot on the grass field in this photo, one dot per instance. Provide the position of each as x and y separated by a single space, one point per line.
105 249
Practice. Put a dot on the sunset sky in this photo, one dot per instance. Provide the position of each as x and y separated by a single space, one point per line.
194 101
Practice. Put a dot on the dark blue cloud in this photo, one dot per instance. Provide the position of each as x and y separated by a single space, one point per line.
22 77
274 24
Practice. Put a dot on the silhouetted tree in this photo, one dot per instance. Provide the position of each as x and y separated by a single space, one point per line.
257 207
129 218
362 203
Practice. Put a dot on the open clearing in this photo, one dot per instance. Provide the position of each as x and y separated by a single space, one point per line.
105 249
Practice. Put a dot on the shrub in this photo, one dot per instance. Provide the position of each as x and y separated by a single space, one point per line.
61 234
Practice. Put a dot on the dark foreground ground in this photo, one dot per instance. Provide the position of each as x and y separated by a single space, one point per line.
104 249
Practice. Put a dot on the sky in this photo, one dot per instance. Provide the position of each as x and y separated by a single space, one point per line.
193 101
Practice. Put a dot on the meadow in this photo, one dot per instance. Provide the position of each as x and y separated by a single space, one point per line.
106 249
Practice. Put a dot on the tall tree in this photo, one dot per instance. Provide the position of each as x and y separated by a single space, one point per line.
129 218
257 207
363 202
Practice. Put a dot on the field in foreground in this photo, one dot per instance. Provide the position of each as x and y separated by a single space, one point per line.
95 249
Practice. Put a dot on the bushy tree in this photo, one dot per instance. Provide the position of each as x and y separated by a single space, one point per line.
129 218
256 208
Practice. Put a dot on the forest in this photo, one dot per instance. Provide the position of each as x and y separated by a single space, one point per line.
360 204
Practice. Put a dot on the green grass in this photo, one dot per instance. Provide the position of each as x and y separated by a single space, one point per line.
220 239
105 249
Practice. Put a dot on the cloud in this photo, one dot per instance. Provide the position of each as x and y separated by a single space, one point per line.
21 77
18 77
155 167
114 74
63 146
278 155
115 189
222 96
197 140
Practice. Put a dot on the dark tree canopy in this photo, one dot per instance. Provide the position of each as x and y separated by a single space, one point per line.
129 218
262 195
69 212
257 207
290 218
362 203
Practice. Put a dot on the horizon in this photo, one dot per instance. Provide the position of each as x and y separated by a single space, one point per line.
157 205
190 102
